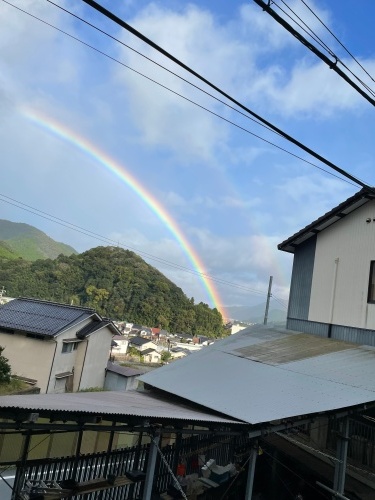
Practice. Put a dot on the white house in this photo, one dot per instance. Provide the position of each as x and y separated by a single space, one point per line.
61 347
332 290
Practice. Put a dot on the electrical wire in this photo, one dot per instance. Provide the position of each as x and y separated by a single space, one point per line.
320 42
337 40
331 64
186 98
286 136
104 239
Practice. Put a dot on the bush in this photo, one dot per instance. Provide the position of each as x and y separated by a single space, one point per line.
4 368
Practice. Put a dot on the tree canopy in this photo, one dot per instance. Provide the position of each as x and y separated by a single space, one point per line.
115 282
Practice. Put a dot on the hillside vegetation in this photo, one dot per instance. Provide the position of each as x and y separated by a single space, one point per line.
117 283
21 240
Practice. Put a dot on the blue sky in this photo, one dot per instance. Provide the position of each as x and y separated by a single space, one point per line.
233 196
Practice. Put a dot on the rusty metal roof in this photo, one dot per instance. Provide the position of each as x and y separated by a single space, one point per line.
263 374
118 404
326 220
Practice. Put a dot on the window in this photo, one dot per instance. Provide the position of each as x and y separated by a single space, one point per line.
69 346
371 284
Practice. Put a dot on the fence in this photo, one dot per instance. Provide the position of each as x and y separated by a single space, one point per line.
118 462
361 449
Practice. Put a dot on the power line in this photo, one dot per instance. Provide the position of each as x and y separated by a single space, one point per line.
320 42
180 95
342 45
286 136
104 239
331 64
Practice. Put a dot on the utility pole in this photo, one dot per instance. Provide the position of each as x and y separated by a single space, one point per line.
269 294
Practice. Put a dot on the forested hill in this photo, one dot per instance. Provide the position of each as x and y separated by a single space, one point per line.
117 283
28 242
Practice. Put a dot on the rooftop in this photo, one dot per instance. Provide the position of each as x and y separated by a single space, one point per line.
40 316
263 374
326 220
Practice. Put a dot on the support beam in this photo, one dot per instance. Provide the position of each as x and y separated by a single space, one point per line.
250 473
149 480
341 455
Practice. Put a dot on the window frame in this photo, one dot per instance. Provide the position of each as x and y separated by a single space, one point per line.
69 347
371 284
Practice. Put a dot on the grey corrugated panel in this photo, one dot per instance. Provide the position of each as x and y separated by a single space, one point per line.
312 327
257 392
123 370
300 288
351 334
129 403
41 317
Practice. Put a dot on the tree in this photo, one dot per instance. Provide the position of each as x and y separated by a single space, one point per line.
165 356
4 368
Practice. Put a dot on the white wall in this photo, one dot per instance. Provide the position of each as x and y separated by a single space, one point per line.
98 348
341 271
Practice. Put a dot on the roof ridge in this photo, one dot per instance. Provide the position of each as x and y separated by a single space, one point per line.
69 306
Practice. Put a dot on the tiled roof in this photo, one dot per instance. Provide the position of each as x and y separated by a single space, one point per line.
94 326
149 351
40 316
138 341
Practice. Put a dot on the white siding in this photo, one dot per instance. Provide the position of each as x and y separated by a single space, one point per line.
341 271
95 363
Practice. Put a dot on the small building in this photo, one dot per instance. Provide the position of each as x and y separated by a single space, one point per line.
63 348
332 291
121 345
141 343
121 378
151 356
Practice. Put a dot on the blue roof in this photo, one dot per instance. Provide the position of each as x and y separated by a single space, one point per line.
40 316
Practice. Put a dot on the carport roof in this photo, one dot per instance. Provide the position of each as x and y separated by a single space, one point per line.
263 374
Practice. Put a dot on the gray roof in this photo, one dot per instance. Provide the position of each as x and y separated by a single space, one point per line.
124 403
40 316
95 326
123 370
263 374
326 220
149 351
139 341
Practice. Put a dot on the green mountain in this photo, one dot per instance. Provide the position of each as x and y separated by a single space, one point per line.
21 240
117 283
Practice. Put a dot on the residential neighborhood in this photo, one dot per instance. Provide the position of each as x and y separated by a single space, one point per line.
187 250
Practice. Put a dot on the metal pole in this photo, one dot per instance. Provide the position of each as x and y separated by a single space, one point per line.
250 473
149 480
334 493
269 294
20 475
342 453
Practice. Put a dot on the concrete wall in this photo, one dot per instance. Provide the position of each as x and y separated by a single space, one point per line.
28 357
95 363
117 382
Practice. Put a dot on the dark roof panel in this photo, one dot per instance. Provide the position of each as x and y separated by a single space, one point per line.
326 220
40 316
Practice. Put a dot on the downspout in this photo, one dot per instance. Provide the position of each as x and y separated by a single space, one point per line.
83 365
333 297
53 361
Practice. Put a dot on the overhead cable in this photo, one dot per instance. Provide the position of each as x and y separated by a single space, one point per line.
331 64
104 239
337 40
286 136
177 93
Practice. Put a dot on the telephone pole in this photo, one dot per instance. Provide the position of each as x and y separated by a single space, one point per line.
269 295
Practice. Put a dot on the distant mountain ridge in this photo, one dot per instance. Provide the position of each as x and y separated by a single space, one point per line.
19 240
255 314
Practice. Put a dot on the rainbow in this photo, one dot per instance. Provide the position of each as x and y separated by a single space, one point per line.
91 150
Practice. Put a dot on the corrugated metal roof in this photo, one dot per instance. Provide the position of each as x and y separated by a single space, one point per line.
326 220
262 374
124 370
128 403
40 317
